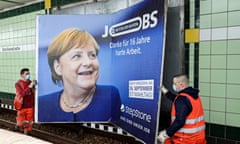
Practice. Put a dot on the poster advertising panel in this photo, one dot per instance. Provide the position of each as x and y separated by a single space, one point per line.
102 68
137 59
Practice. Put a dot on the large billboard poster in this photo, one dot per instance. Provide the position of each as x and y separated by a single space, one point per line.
138 63
102 68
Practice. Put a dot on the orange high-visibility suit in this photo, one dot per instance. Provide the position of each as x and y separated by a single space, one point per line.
25 115
193 131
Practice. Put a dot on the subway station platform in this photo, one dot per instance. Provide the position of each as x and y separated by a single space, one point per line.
9 137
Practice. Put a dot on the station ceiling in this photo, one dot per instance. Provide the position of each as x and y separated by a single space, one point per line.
6 5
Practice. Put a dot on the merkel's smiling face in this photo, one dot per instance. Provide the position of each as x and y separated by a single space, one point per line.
78 67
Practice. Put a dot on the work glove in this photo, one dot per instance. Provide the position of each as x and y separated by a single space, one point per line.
164 89
162 136
33 84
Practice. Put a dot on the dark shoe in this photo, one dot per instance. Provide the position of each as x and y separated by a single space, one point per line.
16 129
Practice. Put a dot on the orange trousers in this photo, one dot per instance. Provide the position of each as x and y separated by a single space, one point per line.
184 141
25 118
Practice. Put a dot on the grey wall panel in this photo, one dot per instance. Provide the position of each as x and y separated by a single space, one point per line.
100 7
174 58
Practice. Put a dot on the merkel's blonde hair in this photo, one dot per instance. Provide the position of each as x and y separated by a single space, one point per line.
66 40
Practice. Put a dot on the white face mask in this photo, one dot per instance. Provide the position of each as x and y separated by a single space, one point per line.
174 88
27 77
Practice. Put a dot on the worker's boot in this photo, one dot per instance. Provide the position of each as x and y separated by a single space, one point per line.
25 131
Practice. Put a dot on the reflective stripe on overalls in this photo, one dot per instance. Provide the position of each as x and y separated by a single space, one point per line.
194 124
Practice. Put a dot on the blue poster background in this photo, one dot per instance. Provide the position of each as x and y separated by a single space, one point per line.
131 61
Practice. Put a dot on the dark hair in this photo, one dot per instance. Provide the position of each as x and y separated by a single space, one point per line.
23 70
181 74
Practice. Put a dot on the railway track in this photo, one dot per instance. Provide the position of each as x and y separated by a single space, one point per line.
42 134
68 133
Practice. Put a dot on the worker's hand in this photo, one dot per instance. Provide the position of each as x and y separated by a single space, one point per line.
162 136
33 84
164 89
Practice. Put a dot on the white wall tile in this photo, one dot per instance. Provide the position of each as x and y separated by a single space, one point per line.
219 33
234 32
205 34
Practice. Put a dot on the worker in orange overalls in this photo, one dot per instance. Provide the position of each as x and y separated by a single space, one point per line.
188 125
25 88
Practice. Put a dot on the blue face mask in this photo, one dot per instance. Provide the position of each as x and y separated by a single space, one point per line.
174 88
27 77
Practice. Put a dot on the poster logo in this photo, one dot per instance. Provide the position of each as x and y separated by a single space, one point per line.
148 20
136 113
122 108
